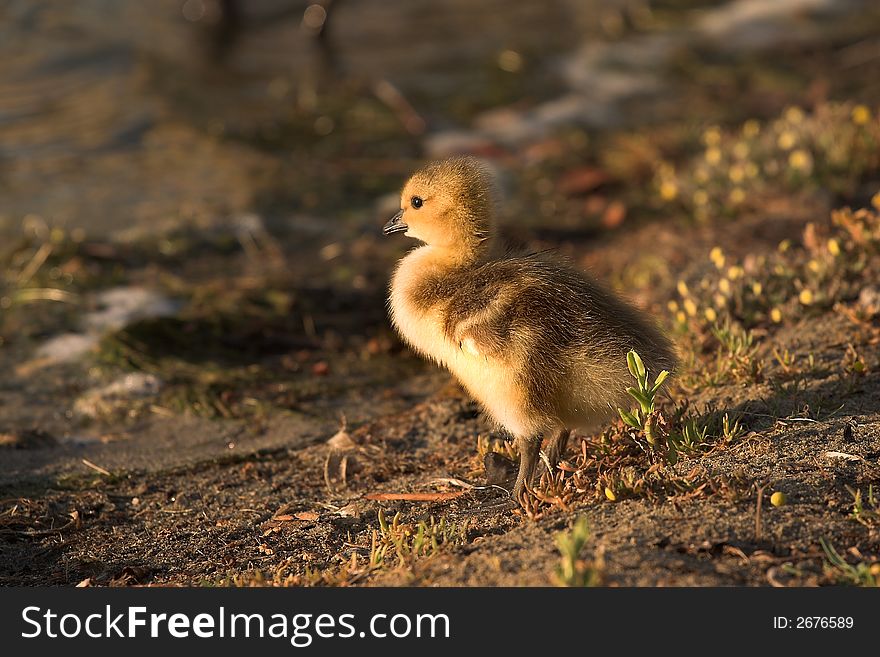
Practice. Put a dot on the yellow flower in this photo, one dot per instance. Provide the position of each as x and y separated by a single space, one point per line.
716 255
672 306
776 315
786 140
834 247
737 195
861 115
724 286
813 266
720 301
690 307
751 128
701 197
712 136
711 315
610 494
701 175
784 245
735 272
752 170
665 170
757 288
740 150
510 61
736 173
794 115
680 317
668 190
778 499
806 297
713 155
683 288
875 201
800 160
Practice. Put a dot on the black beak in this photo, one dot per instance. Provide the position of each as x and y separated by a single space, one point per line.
395 224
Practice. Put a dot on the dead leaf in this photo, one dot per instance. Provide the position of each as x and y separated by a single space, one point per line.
843 456
341 441
582 180
350 510
614 214
811 238
415 497
339 459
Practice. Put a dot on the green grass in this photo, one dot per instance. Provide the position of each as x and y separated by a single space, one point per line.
865 510
403 543
573 570
859 574
678 433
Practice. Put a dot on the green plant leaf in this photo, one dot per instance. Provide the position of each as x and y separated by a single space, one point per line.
659 380
631 363
640 366
672 453
646 403
638 395
629 418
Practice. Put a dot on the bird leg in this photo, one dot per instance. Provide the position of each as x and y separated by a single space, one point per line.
529 447
557 447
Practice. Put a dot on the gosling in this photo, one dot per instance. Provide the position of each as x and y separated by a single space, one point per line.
540 345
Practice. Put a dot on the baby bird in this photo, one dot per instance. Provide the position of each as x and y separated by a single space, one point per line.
541 345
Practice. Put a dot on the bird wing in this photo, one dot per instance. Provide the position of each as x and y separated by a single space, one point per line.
479 316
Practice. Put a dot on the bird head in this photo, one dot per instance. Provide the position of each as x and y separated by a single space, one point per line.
449 204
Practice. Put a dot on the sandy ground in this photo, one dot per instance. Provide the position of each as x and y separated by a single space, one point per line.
201 384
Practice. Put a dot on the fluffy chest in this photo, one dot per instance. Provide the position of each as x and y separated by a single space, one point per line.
419 321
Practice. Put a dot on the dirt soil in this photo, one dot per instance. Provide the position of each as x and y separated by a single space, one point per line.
267 513
202 388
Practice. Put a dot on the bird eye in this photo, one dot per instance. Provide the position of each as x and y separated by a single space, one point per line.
416 202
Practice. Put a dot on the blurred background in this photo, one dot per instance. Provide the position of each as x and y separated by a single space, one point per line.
200 383
191 191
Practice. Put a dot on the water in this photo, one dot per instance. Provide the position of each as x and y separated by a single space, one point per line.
113 114
116 115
